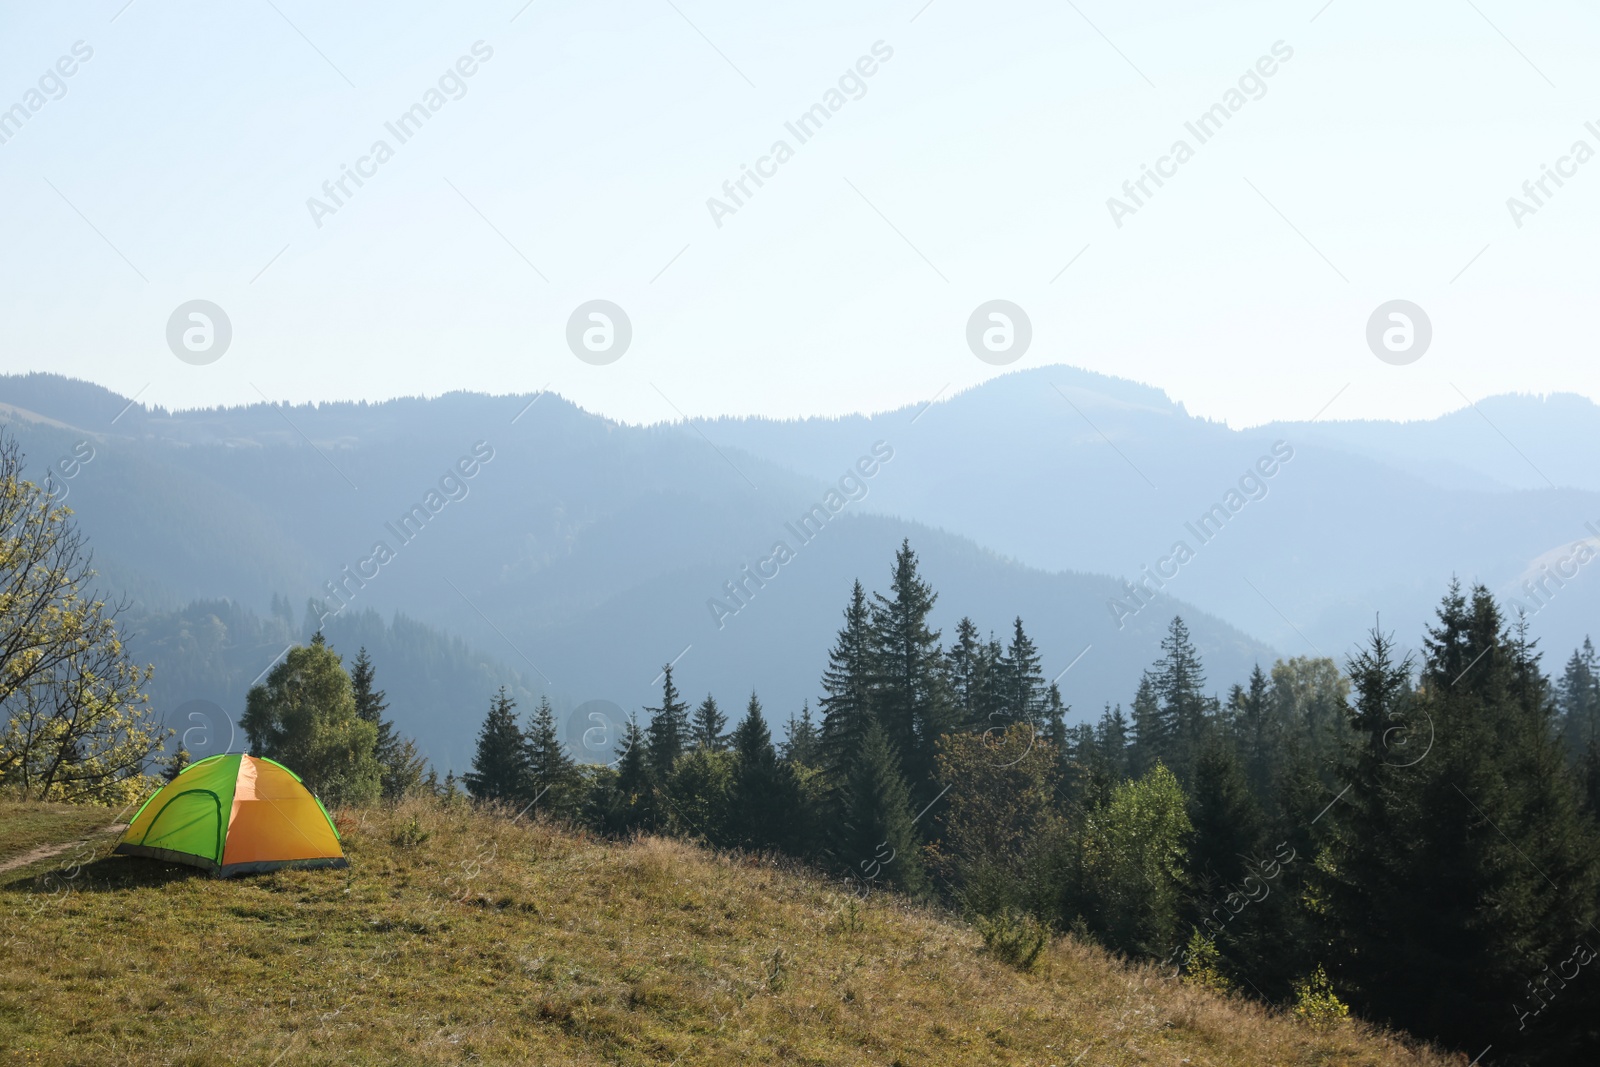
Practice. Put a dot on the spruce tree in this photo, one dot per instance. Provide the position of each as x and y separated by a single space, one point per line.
1227 823
500 765
801 743
1111 734
1022 681
669 729
1153 731
397 755
847 692
1258 743
1179 681
554 782
966 665
880 842
709 730
765 796
632 801
1578 695
1461 863
911 699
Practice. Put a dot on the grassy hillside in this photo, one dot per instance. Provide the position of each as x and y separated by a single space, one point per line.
460 937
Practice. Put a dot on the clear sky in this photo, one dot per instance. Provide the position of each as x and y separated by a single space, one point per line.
974 163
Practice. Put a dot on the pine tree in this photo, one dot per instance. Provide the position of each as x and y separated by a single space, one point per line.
554 782
500 765
669 729
911 701
801 743
880 840
847 692
710 726
765 796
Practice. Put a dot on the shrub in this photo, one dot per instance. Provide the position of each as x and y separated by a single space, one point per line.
1013 937
1315 1000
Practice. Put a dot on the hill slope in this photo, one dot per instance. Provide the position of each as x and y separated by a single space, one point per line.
461 937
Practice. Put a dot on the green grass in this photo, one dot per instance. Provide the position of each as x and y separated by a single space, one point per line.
28 826
460 937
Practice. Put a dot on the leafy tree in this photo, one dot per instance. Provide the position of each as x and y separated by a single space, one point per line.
710 726
75 723
1130 865
500 765
554 781
669 729
304 716
996 815
879 842
1308 699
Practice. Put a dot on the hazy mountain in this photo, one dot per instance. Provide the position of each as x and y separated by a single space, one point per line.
1059 467
577 555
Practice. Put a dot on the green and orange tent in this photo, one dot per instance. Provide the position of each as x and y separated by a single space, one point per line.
234 814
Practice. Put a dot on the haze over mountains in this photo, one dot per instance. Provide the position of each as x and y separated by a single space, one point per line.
552 550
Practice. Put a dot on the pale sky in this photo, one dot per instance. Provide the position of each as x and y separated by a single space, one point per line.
176 162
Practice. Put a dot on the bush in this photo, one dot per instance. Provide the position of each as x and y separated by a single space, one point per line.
1013 937
1315 1001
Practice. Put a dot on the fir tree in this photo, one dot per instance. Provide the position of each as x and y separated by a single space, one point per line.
669 729
911 700
880 842
632 801
397 755
1258 743
765 797
847 692
1178 682
710 726
967 667
1153 732
801 743
1024 691
500 765
1578 696
555 783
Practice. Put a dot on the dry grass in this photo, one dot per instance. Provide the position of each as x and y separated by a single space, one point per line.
495 942
25 826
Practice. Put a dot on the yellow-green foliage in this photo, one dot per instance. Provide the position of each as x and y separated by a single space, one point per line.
493 942
1315 1000
1202 966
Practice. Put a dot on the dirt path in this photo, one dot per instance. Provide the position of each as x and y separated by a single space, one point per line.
44 852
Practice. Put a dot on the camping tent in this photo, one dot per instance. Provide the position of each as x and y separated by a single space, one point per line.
232 814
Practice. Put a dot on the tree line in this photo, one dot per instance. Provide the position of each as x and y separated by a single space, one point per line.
1414 836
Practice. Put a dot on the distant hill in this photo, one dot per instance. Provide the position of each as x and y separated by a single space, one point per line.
578 557
1062 468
